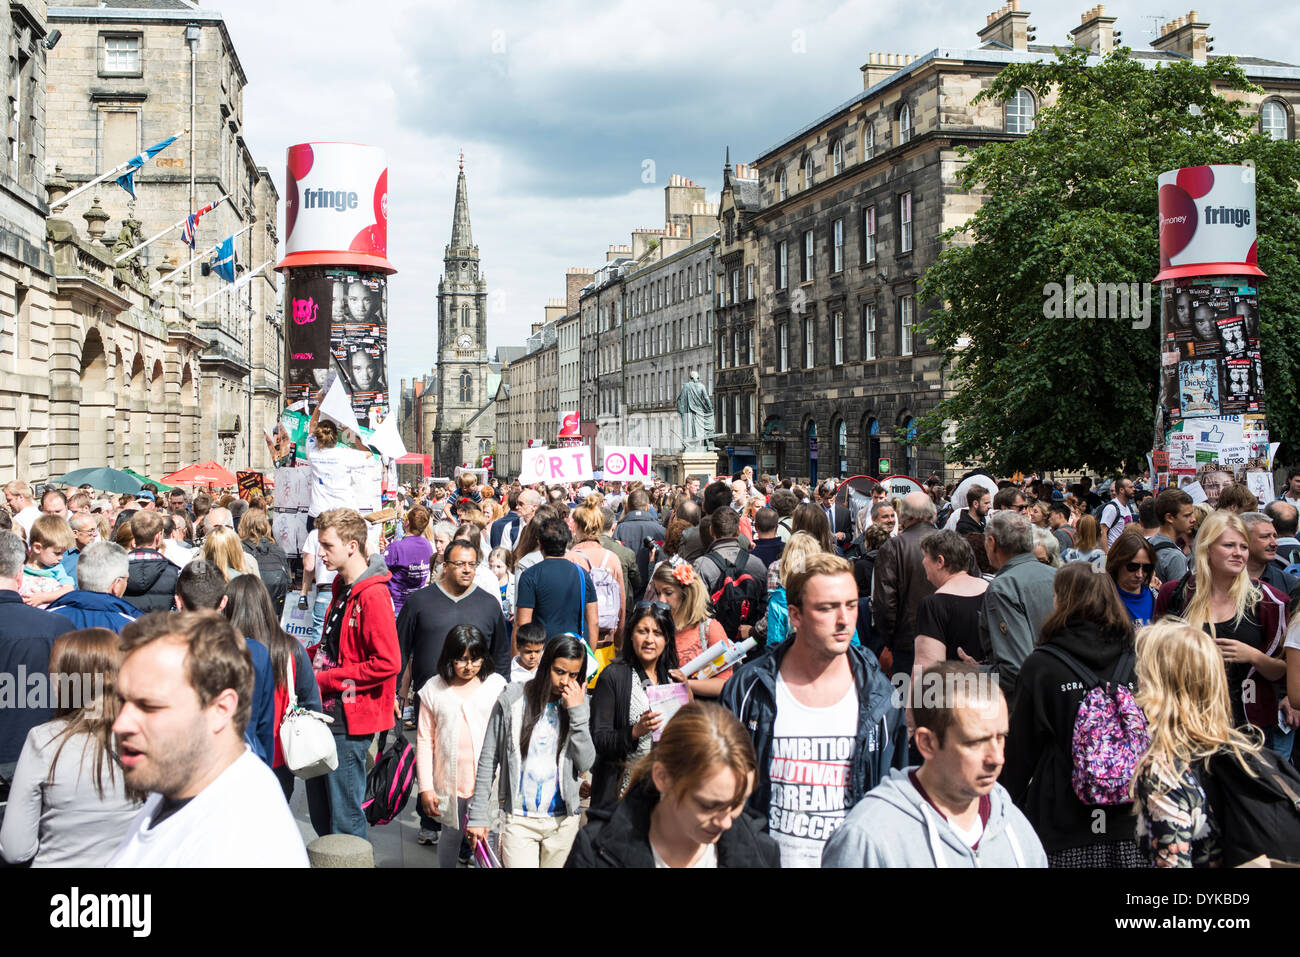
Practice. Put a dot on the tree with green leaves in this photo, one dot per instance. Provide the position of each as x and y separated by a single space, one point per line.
1077 197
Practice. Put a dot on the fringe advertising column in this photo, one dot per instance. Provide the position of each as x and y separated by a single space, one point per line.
1212 428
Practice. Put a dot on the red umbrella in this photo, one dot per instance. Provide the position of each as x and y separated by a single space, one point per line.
206 473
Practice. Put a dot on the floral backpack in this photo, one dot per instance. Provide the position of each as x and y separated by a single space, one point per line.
1110 733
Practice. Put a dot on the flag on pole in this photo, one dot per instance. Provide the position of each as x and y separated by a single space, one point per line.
127 179
190 228
224 263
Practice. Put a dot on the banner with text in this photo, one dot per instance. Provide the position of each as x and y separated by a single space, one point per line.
556 465
627 463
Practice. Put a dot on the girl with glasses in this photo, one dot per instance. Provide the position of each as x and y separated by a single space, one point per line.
1246 619
622 721
1087 640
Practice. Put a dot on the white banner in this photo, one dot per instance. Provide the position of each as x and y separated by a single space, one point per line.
624 463
556 465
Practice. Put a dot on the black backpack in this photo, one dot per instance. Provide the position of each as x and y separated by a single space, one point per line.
738 598
273 567
1256 815
388 785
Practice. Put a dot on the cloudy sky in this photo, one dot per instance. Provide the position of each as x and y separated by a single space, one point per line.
558 106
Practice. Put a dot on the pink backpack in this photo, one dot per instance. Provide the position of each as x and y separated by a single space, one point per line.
1110 733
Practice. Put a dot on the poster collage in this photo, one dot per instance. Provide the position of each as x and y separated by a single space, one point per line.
1212 387
338 326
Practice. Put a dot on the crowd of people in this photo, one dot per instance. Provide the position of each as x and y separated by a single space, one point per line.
740 673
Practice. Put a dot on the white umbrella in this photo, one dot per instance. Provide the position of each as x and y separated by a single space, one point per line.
963 489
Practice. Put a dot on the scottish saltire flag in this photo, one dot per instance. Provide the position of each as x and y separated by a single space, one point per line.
224 263
127 179
191 224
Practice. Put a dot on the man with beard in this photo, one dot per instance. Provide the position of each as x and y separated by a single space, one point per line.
185 689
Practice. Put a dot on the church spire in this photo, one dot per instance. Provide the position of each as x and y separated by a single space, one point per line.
460 232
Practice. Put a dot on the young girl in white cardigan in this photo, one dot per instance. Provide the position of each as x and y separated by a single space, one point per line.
454 708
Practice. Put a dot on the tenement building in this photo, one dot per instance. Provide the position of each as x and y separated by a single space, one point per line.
735 396
852 207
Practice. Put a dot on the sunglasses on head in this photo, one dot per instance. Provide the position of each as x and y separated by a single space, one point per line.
643 605
1144 567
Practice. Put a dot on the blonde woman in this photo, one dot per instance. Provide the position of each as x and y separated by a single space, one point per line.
588 553
679 587
223 548
1183 690
801 547
1246 620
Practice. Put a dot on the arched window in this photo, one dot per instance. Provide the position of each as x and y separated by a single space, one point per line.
904 124
871 446
1020 112
812 452
807 171
869 141
466 387
842 448
464 317
837 158
1273 120
782 190
907 440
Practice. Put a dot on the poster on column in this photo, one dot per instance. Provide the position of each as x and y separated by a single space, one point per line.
309 298
359 340
628 464
556 465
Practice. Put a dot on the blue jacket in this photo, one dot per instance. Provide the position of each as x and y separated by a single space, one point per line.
750 694
260 733
26 636
95 609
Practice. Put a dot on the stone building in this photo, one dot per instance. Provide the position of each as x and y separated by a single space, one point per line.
119 80
851 210
735 396
668 333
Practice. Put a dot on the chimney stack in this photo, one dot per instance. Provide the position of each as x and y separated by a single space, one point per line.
1187 36
574 280
1008 26
881 65
1096 31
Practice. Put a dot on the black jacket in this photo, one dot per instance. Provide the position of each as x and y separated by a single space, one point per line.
619 836
632 532
881 742
150 580
26 636
1038 761
611 730
967 525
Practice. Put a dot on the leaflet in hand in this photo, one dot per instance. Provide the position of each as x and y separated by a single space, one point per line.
667 700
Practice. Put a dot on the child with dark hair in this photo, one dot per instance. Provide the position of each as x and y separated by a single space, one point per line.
529 644
454 708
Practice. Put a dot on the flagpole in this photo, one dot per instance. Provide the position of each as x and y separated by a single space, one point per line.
231 288
207 252
152 239
99 179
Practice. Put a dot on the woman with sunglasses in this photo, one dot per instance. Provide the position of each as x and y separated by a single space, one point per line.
1130 564
1246 619
679 589
622 721
1087 639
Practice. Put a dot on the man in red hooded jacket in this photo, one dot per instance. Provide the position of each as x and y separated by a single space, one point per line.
356 666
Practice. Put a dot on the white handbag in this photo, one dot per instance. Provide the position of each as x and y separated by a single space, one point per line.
305 738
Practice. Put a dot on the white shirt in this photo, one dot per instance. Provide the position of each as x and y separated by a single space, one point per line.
239 820
812 749
26 517
707 859
178 553
331 477
324 577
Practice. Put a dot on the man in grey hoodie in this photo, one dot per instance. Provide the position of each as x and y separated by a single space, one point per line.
950 811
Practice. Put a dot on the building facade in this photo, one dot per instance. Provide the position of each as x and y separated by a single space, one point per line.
736 357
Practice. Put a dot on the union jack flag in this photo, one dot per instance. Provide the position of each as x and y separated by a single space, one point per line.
191 223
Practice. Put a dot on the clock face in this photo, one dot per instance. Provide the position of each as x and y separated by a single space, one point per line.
465 341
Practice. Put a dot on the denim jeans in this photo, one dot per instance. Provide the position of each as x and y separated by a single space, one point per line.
318 614
1280 743
345 787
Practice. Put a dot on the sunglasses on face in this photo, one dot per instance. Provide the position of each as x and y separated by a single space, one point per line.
1144 567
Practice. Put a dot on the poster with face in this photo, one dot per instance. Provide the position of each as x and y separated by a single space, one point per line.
1198 388
1247 306
359 339
1257 371
1178 309
1236 392
1232 335
1214 480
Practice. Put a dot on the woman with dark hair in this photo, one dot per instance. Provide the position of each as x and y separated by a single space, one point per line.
249 609
1130 563
947 620
622 721
685 806
68 803
539 737
455 706
1087 641
811 519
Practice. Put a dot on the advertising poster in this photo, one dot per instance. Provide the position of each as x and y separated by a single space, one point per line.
1198 387
359 340
309 298
1237 389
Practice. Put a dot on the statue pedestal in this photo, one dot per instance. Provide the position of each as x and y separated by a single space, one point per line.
698 463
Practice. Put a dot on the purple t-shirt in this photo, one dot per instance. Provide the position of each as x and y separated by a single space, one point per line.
409 560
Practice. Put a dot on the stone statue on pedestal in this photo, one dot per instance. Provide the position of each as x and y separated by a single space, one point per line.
696 409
